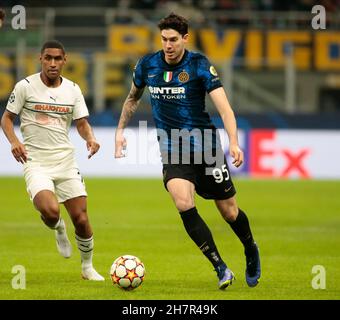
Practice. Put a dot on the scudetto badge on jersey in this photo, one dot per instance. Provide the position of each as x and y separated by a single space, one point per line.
167 76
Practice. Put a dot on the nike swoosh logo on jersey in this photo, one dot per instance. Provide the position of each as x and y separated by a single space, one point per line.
152 75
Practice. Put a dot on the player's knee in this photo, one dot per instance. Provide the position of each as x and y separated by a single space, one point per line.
50 214
183 204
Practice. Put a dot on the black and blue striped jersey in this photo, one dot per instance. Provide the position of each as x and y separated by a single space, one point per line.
177 95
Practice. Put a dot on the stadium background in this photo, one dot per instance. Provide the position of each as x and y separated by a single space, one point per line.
282 78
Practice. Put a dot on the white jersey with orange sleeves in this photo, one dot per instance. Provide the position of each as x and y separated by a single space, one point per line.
46 115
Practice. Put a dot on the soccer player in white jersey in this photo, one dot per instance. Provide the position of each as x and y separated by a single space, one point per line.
46 104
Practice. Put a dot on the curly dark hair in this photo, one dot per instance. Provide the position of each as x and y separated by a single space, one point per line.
176 22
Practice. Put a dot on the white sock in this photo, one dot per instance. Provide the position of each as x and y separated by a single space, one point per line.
85 247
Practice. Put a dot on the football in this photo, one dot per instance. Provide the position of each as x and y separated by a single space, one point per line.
127 272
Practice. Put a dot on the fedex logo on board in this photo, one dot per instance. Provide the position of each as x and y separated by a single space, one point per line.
271 155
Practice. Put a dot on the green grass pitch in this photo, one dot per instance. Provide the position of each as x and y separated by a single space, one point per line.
296 224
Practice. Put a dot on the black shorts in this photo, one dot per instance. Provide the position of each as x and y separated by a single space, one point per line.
211 181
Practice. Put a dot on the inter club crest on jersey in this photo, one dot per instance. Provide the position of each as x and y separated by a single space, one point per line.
167 76
183 76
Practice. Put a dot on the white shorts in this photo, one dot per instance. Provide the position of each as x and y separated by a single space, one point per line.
62 178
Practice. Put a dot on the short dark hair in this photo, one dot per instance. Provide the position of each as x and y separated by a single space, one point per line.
176 22
52 44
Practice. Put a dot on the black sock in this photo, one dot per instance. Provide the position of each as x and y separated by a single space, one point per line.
242 229
201 235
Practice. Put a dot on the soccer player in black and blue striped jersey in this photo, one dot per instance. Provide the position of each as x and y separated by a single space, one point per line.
193 160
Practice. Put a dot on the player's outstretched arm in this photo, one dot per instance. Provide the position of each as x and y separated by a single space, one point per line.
86 132
129 108
223 107
18 149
